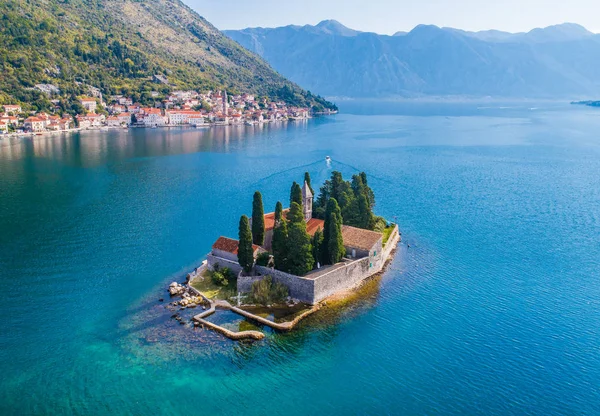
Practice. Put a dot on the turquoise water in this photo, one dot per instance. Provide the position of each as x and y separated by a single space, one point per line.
494 309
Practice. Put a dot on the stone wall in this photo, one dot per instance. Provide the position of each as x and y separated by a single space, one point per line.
315 290
244 283
213 260
342 278
300 288
391 243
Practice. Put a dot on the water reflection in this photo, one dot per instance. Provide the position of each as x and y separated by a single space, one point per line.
90 148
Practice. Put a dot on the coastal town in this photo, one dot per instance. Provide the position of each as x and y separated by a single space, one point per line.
177 109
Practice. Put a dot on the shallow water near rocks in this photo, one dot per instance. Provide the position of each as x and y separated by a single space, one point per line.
494 309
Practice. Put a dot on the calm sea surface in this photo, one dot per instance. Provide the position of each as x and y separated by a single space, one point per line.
494 309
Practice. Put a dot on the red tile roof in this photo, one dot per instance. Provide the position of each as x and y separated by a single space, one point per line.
359 238
230 245
311 226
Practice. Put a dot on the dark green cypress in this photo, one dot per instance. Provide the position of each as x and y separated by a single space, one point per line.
258 220
296 194
245 251
295 213
307 180
317 246
279 245
333 244
300 258
278 212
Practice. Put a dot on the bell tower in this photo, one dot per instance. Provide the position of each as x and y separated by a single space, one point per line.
307 202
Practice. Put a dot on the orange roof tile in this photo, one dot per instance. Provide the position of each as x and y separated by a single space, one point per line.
311 226
230 245
359 238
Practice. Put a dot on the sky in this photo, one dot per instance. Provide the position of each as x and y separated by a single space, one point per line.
391 16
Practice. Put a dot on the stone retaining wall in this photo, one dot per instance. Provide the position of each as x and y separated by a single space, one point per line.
391 243
221 262
300 288
315 290
342 278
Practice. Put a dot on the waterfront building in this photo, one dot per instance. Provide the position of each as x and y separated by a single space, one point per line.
90 104
12 109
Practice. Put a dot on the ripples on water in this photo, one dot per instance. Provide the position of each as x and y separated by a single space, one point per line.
494 308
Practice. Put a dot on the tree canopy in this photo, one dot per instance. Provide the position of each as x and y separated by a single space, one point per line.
333 243
296 194
245 250
258 220
356 200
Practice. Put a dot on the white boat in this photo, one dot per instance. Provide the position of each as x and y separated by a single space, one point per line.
327 158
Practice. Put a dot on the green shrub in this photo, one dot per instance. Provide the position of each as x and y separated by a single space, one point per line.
218 279
263 259
266 292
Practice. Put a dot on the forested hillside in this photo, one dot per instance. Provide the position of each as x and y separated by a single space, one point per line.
119 46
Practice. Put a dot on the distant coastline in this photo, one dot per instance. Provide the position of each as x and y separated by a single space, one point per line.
587 103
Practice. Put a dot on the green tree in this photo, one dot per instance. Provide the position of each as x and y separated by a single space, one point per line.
335 247
279 245
365 215
245 250
300 257
367 190
317 246
258 220
307 180
337 183
296 194
333 243
295 213
278 213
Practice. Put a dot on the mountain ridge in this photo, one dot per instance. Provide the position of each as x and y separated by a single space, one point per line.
557 61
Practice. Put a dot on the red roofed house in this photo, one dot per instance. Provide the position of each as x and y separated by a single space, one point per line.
34 124
14 109
224 253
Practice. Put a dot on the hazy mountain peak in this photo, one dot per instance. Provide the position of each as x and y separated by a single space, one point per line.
333 27
561 32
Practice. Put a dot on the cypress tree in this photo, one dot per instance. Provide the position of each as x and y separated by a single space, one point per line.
317 246
333 244
364 212
258 220
278 212
245 251
295 213
367 190
337 182
279 245
300 258
336 248
307 180
296 194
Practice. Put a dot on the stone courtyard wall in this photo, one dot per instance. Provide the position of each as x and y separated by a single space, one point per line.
315 290
221 262
300 288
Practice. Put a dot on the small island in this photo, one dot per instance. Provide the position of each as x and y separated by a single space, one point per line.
293 258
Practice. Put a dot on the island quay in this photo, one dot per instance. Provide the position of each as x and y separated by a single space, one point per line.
301 255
